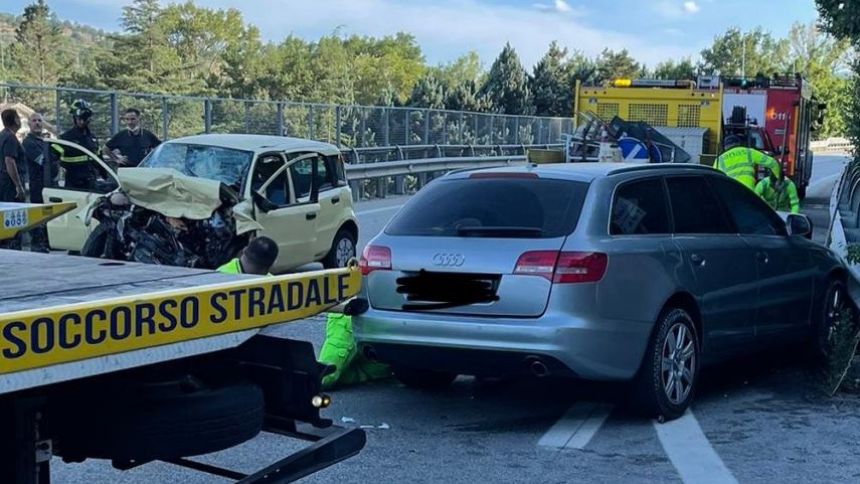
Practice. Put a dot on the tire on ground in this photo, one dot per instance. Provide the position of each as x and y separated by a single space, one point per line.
96 242
823 344
330 260
423 379
648 396
148 423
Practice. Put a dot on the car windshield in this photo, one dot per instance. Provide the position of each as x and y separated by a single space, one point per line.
493 207
225 165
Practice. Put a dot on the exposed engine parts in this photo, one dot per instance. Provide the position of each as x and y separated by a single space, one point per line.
132 233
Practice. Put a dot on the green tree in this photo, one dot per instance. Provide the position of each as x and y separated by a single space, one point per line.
840 18
285 73
392 63
40 50
242 67
466 68
682 69
551 83
331 67
614 65
429 92
582 68
467 97
737 53
506 86
823 61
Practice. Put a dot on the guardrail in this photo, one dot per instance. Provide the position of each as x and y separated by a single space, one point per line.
844 212
404 176
376 154
832 145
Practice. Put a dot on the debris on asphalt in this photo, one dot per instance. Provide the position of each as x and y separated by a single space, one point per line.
347 420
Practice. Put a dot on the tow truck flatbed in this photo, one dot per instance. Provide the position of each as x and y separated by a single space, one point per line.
71 325
66 317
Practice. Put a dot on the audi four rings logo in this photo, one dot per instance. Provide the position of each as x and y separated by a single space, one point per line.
448 260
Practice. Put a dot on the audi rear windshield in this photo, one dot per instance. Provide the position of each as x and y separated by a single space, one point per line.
493 207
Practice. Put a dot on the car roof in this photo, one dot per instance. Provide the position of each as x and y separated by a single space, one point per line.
259 143
589 171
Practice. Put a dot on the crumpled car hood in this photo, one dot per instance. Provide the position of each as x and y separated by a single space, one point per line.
170 193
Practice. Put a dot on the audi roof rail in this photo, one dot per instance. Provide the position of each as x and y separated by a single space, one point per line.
653 166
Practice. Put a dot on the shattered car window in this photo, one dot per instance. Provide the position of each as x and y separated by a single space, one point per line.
225 165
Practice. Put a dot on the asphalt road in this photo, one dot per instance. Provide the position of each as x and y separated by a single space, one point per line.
757 420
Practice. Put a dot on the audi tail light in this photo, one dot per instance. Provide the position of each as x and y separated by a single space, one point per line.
563 267
537 263
375 258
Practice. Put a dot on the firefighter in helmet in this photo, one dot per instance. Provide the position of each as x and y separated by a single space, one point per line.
79 168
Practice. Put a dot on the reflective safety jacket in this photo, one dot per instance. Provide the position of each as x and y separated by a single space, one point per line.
339 350
232 267
80 170
83 137
783 198
740 163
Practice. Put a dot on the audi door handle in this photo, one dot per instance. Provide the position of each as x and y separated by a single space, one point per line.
310 216
335 200
697 259
55 199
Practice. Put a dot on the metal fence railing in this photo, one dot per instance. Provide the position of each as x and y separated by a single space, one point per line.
172 116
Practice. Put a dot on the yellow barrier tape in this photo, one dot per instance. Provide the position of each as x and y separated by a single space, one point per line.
38 338
15 217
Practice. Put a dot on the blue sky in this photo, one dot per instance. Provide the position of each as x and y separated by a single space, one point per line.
653 30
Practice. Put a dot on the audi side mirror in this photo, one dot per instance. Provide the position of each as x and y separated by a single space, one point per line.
799 225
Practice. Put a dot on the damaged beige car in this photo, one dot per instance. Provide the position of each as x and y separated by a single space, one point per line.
196 201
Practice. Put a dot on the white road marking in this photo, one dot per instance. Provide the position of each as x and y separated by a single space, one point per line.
577 427
378 210
691 453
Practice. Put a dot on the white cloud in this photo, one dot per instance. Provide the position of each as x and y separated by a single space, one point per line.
558 6
447 28
562 6
674 9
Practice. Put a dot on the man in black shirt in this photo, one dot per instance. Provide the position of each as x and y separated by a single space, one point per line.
11 184
130 146
80 172
42 170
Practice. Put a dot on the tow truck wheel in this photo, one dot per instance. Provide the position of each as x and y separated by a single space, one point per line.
424 379
158 420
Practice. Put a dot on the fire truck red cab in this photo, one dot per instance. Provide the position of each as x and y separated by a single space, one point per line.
778 116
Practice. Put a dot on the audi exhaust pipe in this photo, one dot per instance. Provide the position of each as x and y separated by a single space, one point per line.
537 367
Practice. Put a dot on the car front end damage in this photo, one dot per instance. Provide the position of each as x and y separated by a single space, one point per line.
160 216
